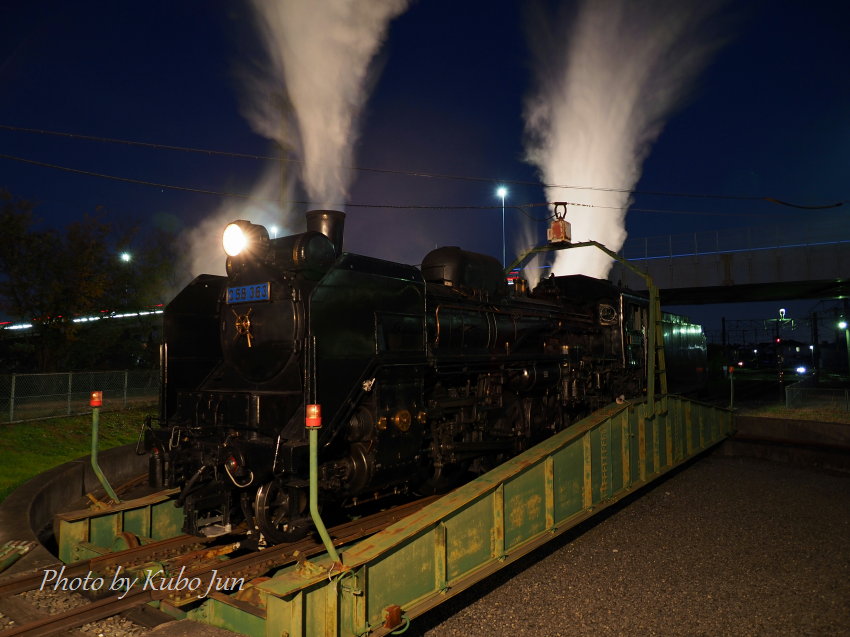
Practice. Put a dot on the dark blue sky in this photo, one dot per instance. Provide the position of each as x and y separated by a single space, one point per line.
770 118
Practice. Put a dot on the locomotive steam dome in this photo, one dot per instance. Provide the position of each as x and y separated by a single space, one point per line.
464 270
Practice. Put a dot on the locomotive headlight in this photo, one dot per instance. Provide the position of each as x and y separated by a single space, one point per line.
234 239
243 237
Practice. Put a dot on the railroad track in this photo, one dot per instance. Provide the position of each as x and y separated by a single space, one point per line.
195 561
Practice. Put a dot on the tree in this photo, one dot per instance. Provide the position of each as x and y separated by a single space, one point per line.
48 277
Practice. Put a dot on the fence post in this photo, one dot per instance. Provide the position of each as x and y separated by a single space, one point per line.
12 401
125 388
70 380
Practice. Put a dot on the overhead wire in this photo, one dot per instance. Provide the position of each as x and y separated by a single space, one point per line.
522 208
408 173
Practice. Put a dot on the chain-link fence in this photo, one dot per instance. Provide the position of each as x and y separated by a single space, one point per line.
32 396
807 394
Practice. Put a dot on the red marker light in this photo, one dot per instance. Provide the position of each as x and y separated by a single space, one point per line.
96 399
314 417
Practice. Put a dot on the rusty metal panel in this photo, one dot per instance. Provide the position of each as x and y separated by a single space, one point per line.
660 443
88 532
138 521
285 615
320 611
525 513
166 520
104 529
498 532
224 615
409 570
71 535
634 443
468 539
569 481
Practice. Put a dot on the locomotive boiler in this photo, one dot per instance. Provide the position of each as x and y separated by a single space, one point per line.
423 374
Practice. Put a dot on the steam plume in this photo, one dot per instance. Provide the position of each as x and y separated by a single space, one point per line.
205 253
310 96
606 82
306 96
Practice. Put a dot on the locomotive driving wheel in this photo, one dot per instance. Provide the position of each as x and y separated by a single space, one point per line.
279 513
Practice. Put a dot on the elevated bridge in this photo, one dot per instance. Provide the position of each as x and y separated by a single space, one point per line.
745 264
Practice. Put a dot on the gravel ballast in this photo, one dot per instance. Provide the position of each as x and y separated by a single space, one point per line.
725 546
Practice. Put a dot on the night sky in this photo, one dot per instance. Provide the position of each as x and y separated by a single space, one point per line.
769 117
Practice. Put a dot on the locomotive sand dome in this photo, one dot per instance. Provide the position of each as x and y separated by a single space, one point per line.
423 376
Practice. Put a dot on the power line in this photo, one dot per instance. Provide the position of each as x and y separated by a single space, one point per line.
220 193
127 142
522 208
407 173
129 180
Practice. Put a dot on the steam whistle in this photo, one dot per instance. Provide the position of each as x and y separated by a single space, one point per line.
560 231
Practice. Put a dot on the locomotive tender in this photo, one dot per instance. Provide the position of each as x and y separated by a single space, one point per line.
422 374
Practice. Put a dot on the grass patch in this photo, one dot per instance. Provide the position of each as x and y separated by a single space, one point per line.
30 448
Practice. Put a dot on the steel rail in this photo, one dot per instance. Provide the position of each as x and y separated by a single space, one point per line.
250 565
132 556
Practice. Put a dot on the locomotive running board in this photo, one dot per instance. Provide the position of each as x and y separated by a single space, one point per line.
462 538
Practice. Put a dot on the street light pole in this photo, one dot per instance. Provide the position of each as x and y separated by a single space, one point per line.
501 191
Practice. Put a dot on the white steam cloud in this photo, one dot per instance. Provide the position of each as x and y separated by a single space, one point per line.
607 79
306 96
310 97
206 254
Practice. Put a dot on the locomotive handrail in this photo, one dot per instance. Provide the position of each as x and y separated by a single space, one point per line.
654 305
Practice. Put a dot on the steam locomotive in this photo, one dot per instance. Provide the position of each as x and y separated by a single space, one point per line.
423 374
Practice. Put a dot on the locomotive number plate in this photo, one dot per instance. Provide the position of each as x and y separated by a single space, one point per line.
248 293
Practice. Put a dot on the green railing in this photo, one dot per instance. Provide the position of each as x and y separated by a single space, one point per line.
462 538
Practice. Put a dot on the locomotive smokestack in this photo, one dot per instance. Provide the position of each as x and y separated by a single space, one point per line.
330 223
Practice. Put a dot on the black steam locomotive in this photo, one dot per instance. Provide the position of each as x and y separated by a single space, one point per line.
422 374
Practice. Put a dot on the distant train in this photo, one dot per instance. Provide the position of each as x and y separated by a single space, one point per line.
423 374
